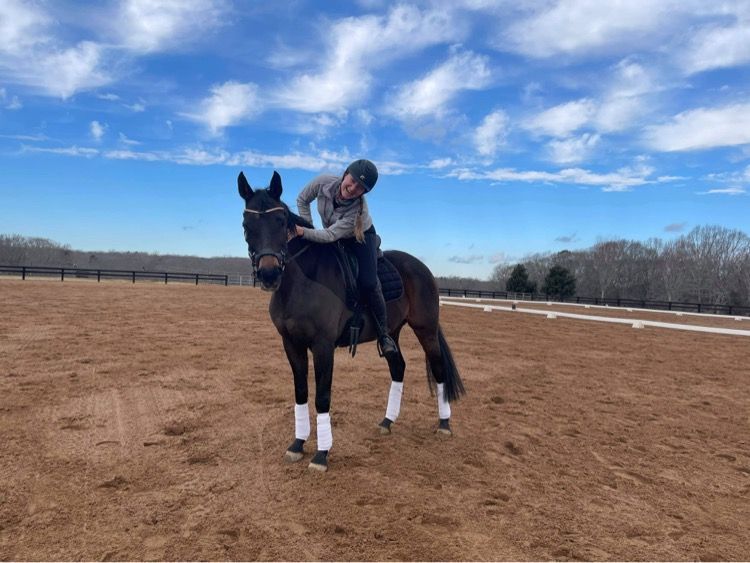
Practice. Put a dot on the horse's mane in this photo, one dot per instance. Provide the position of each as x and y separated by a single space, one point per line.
268 202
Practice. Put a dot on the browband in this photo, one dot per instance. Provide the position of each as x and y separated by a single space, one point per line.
266 211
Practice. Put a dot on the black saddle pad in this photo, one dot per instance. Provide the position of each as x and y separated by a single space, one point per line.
390 279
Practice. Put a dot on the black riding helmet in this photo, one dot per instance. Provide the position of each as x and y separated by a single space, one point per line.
365 172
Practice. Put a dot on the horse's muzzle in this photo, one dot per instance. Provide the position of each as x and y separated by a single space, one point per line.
269 273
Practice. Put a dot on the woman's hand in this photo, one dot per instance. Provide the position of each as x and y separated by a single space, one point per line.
299 230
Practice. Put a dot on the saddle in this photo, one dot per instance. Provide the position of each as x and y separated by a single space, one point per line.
390 283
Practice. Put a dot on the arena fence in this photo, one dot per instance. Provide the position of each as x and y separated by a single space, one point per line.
247 280
686 307
635 323
130 275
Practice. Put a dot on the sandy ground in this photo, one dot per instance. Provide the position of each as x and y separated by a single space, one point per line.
149 422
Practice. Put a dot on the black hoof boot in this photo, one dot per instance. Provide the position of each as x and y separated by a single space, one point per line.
319 461
444 427
385 426
295 451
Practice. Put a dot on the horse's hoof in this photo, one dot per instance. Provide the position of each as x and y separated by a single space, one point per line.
444 427
317 467
385 426
319 462
295 451
292 457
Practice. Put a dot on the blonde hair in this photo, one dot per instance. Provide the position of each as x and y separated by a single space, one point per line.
359 232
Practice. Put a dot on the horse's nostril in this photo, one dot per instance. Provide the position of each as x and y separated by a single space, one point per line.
269 275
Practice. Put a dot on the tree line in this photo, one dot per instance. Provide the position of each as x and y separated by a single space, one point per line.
710 264
17 250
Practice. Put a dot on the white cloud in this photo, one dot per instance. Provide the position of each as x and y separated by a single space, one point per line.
622 179
716 47
12 104
725 191
490 135
22 25
108 96
469 259
148 26
702 128
65 151
314 161
619 113
228 104
62 72
440 163
97 130
30 53
357 46
136 107
15 103
591 27
563 119
364 117
429 95
318 125
126 141
573 150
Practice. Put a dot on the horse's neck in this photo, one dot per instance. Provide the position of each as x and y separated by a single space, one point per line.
312 262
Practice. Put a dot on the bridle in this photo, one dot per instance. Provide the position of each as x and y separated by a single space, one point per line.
255 256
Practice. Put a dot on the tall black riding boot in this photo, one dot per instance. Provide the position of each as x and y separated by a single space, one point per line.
386 345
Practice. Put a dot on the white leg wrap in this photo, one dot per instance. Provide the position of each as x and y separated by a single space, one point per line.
394 400
444 408
301 422
325 436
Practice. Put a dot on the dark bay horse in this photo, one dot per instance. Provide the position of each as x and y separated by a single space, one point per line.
309 310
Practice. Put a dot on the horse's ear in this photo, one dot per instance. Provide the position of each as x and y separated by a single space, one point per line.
275 188
246 192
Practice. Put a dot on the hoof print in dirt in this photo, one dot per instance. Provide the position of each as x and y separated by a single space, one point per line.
116 482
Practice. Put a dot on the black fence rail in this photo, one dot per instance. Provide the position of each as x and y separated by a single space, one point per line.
99 275
242 279
711 308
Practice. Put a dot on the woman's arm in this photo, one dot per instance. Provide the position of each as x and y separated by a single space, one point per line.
305 197
343 228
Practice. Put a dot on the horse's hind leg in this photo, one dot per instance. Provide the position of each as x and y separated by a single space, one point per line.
396 365
429 339
297 356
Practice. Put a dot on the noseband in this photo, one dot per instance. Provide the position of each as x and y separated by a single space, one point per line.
256 256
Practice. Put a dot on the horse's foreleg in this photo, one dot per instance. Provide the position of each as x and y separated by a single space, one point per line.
396 365
297 356
323 364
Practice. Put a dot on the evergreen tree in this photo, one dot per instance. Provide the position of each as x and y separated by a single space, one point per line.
559 283
518 282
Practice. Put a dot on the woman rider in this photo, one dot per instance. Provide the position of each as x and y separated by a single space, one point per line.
343 210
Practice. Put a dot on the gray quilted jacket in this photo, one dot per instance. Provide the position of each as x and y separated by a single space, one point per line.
338 222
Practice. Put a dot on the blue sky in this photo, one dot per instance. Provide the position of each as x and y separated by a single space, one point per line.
499 128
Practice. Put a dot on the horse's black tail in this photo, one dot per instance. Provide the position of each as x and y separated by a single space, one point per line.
453 386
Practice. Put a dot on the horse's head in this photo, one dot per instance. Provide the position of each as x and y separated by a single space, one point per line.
266 221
